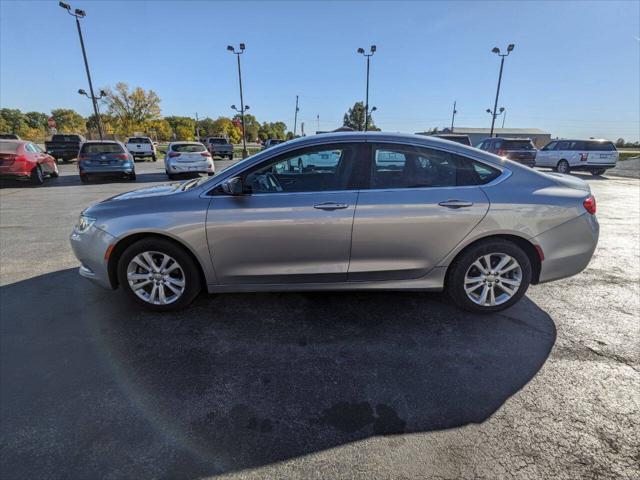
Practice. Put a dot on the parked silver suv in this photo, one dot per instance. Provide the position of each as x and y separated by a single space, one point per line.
345 211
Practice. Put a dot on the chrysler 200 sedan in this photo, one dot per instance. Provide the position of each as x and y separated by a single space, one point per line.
345 211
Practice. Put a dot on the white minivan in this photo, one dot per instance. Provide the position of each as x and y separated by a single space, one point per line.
595 156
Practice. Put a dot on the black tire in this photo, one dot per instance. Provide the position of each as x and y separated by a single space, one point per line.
455 283
171 176
191 274
598 171
55 173
563 167
84 178
37 176
132 176
211 174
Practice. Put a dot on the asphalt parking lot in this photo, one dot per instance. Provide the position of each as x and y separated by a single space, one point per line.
367 385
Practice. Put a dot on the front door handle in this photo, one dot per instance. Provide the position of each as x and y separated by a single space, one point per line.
330 206
455 203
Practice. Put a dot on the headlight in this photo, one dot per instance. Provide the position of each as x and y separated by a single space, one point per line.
84 224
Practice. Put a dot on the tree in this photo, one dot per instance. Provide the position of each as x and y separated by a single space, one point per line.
184 128
354 118
251 126
272 130
158 129
132 108
620 142
36 119
69 121
13 120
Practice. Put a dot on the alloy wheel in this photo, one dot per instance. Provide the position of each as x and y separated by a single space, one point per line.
492 279
156 278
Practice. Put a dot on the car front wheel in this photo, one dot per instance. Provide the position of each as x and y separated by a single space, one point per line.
563 167
159 274
489 276
37 175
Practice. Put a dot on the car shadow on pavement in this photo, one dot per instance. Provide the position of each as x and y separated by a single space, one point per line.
94 386
74 180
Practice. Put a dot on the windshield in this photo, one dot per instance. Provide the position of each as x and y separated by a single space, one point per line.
188 147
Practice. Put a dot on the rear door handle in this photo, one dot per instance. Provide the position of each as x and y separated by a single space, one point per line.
330 206
455 203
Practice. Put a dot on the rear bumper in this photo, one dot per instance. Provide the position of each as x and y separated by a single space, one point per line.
199 167
106 171
568 248
90 248
592 166
142 154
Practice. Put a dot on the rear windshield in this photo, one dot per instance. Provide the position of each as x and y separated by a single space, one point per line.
101 148
9 147
601 146
65 138
517 145
139 140
188 147
218 141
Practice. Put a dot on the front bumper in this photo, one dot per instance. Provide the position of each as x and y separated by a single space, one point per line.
568 248
90 248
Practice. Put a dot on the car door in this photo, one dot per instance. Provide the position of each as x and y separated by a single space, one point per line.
545 156
421 204
293 222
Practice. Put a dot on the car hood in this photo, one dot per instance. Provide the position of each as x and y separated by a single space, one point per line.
569 181
155 191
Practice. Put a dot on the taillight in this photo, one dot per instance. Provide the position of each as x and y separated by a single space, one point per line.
173 154
583 157
589 204
501 152
83 157
122 156
205 154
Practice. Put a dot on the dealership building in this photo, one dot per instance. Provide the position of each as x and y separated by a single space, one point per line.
539 137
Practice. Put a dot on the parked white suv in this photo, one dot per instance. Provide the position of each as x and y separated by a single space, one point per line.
141 147
187 157
595 156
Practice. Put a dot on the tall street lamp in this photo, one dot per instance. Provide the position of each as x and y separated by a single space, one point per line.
453 116
95 102
495 114
78 14
366 103
295 118
496 50
239 52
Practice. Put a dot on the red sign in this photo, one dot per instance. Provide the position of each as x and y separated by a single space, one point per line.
51 122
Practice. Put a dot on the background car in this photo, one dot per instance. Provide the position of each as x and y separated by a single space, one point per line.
219 147
355 211
271 142
594 156
521 150
23 160
106 158
64 147
141 147
187 157
9 136
453 137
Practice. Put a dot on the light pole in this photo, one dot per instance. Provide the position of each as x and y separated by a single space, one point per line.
239 52
504 117
495 114
366 103
95 105
78 14
453 116
295 118
496 50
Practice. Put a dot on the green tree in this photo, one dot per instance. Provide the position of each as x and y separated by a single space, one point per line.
132 108
272 130
620 142
69 121
183 128
355 118
158 129
251 125
36 119
13 120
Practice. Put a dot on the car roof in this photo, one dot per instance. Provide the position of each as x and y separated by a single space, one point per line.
102 141
186 142
602 140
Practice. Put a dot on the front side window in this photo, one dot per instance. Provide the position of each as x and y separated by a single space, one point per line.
405 166
550 146
563 146
314 169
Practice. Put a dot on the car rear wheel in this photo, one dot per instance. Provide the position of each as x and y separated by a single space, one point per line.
489 276
37 176
563 167
598 171
84 178
159 274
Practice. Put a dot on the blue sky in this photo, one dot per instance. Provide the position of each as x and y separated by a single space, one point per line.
575 70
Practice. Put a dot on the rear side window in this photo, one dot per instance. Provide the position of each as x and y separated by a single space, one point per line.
416 167
9 147
89 148
188 148
601 146
139 140
518 145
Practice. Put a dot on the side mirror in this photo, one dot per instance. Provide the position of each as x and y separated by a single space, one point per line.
233 186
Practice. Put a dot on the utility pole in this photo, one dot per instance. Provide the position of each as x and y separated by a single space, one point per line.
453 116
295 118
504 117
496 50
318 119
197 127
242 108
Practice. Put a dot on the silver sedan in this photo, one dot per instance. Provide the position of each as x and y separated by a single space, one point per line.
347 211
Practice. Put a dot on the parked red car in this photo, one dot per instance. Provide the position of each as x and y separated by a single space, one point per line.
23 160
